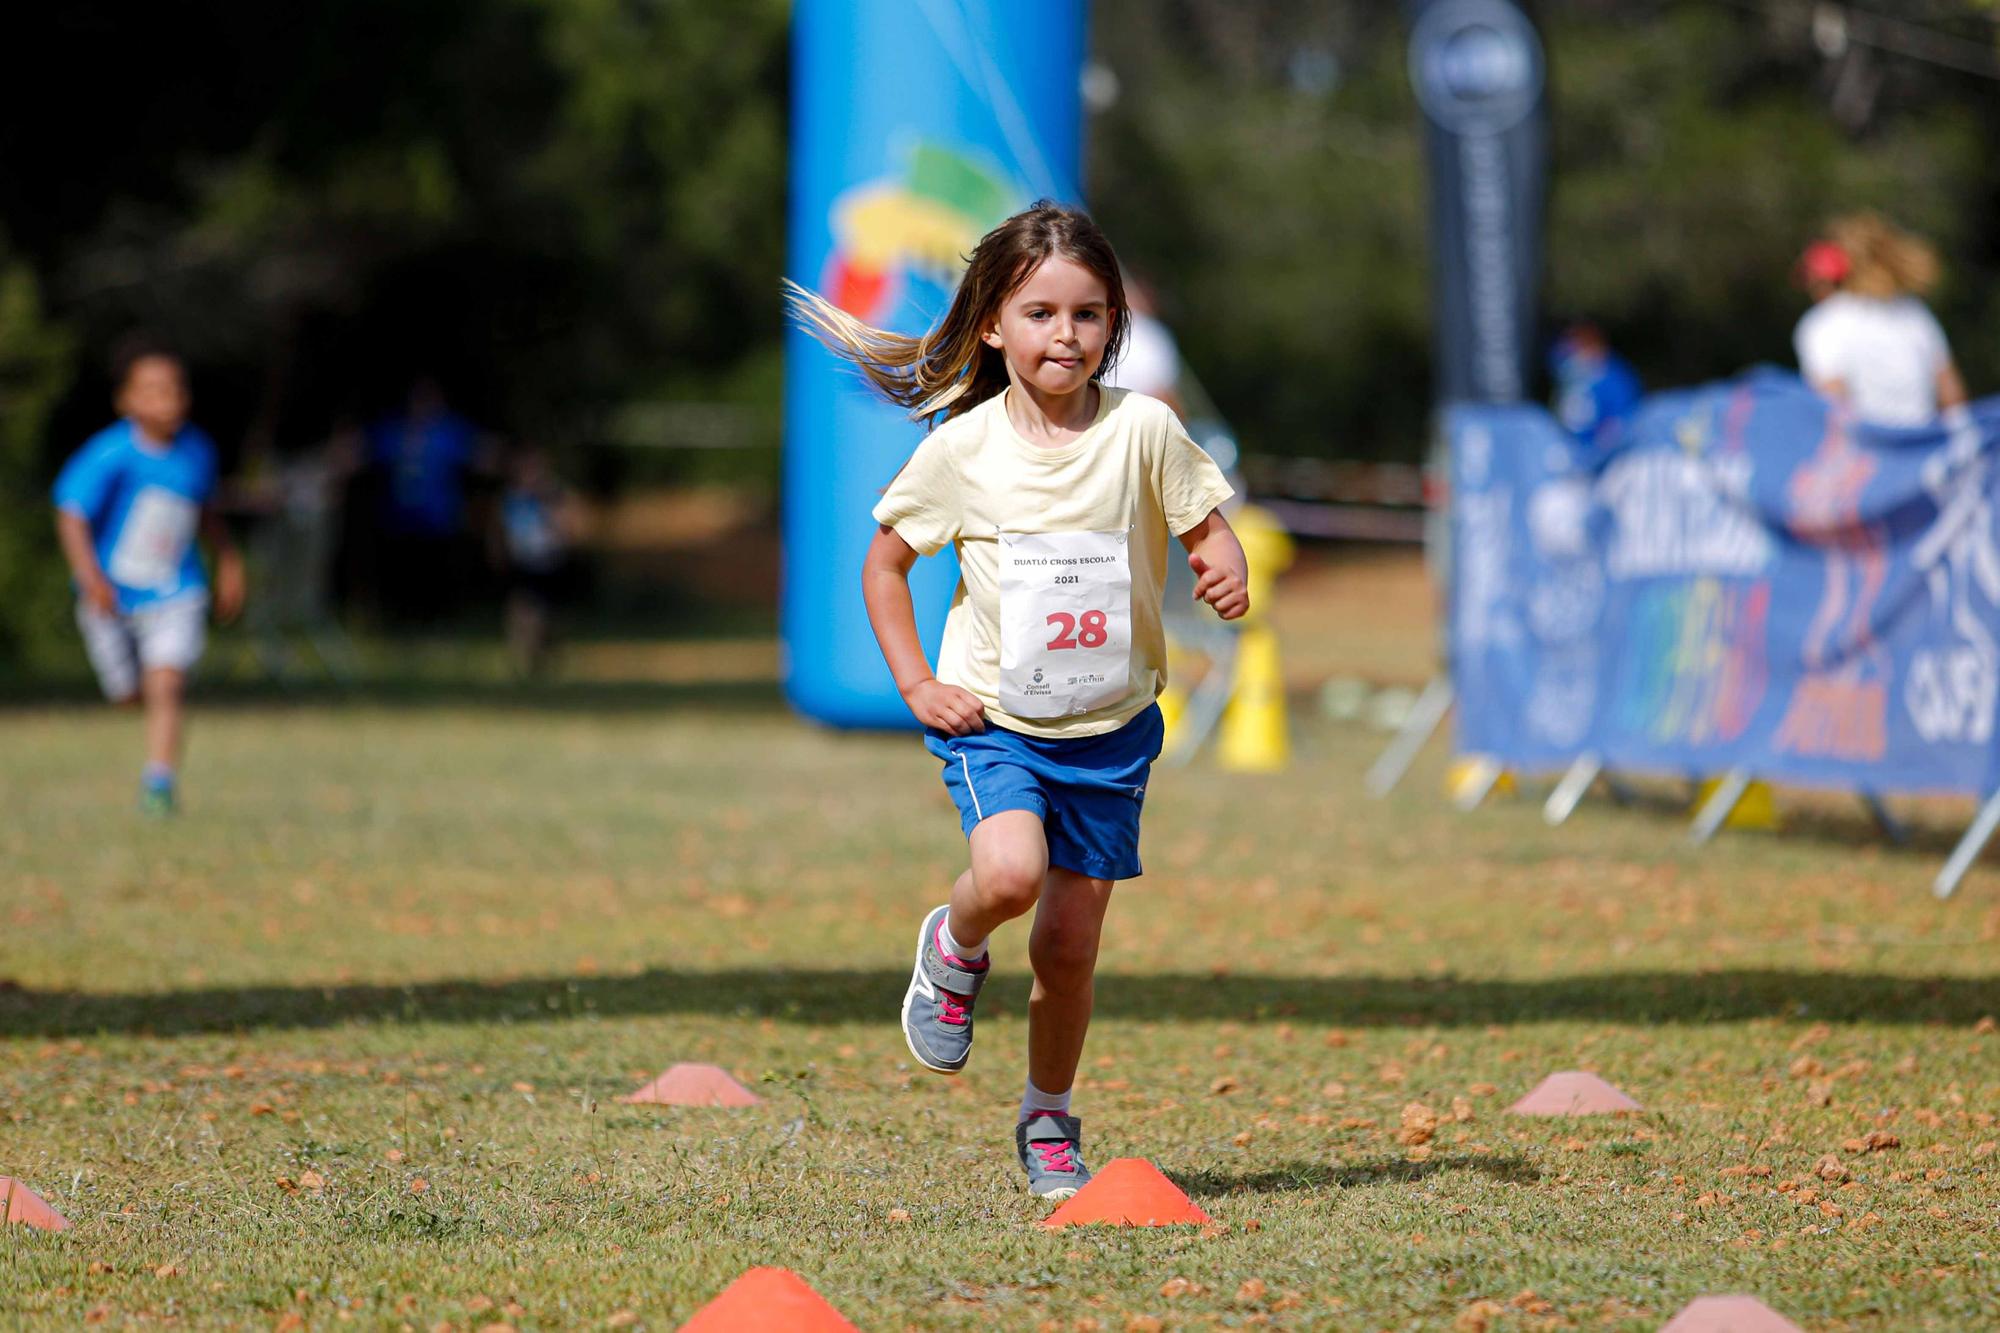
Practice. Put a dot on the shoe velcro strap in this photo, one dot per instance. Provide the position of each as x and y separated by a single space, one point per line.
1052 1129
954 979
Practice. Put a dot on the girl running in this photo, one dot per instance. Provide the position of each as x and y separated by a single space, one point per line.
1058 495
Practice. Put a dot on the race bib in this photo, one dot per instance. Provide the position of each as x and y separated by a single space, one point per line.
154 541
1065 622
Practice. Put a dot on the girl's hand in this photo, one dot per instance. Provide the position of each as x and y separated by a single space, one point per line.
945 707
1222 589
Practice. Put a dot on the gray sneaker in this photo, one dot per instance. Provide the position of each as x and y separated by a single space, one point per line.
937 1008
1051 1151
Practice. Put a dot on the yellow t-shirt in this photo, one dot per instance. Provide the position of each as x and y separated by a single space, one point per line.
1133 471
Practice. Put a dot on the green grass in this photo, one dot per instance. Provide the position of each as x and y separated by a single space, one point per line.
432 939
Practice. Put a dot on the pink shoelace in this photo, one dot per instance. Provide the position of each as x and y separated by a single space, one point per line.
1056 1156
951 1007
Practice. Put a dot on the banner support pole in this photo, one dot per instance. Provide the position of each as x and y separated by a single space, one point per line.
1482 777
1969 847
1720 805
1430 708
1570 791
1892 828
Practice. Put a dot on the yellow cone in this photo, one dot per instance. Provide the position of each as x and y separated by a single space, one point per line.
1268 549
1468 772
1253 736
1758 810
1173 708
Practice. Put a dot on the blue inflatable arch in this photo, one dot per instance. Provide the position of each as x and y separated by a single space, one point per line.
916 126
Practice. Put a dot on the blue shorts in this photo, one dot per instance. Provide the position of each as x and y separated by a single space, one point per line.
1088 790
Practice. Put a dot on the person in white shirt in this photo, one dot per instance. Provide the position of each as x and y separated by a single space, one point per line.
1151 363
1869 341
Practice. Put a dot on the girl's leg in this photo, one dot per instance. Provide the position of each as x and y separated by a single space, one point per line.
1062 947
164 688
1010 859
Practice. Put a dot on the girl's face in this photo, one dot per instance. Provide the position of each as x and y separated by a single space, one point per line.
1054 327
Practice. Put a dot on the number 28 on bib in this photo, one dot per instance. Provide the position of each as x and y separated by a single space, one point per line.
1065 622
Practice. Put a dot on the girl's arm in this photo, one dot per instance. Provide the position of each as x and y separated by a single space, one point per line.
1950 388
1222 573
885 589
73 531
229 582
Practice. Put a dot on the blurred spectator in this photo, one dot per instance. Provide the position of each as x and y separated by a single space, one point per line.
297 499
423 459
539 525
1151 363
1596 390
1869 341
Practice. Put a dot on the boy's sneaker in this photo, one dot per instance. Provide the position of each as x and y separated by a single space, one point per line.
1050 1146
156 796
937 1008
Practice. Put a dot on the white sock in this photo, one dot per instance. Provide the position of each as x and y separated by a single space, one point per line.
1034 1099
971 953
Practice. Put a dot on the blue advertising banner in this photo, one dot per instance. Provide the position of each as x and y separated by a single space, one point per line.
1749 578
917 125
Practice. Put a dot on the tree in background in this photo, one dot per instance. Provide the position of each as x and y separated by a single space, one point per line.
572 210
35 358
1263 164
561 203
558 207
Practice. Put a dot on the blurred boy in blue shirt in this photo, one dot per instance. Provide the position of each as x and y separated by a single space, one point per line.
539 521
129 505
1597 391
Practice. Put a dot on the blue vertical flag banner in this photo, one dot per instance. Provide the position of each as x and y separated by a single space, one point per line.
1477 69
1750 578
917 125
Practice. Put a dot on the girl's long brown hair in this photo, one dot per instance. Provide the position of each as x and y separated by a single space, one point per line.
1886 260
949 370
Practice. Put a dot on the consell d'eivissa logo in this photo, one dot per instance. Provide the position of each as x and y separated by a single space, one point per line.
1476 65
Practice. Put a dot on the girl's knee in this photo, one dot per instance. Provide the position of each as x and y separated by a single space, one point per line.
1064 954
1009 884
1008 872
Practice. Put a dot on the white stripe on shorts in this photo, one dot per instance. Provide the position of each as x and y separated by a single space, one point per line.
972 790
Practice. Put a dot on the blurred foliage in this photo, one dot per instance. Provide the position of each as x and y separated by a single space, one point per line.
556 207
35 357
572 211
1264 166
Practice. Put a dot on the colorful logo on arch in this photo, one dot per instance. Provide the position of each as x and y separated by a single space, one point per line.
920 224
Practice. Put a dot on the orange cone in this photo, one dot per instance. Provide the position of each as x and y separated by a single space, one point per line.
768 1298
20 1204
694 1085
1128 1192
1729 1314
1573 1093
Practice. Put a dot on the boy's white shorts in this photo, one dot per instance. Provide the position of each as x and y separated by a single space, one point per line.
167 634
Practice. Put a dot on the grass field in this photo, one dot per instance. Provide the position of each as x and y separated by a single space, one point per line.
341 1044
